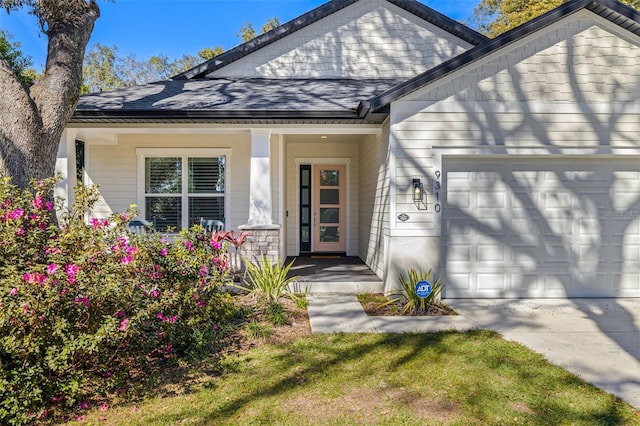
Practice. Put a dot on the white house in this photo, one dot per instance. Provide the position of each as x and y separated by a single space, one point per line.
385 130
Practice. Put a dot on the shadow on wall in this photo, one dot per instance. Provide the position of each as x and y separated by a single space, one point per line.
552 223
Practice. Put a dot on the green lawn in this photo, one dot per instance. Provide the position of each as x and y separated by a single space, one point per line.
473 378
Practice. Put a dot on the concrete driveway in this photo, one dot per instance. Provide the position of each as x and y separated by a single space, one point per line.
597 339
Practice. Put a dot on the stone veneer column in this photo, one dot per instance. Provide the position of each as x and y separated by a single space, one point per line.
263 240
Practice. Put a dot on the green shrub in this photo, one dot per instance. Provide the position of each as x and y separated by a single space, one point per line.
85 307
413 303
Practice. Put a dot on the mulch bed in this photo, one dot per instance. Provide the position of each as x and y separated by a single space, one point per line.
373 301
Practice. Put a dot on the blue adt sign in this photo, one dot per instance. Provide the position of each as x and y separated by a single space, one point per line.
423 289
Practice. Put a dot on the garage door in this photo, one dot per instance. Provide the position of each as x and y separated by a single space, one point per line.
541 227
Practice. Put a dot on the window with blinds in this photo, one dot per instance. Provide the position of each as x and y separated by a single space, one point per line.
179 191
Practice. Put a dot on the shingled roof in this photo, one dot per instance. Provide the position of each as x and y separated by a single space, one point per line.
614 11
412 6
229 99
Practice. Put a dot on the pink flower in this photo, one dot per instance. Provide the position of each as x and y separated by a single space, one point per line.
123 324
126 260
34 278
163 252
131 250
25 308
83 405
95 223
189 245
13 291
160 316
52 268
104 406
34 217
72 271
216 245
16 214
172 319
120 313
51 250
154 294
134 408
37 202
43 414
214 327
202 303
79 418
108 374
83 300
48 205
20 232
204 270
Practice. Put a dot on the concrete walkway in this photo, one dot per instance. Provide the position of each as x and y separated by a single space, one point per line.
596 339
342 313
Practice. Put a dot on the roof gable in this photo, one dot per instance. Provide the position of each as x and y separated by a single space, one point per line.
285 39
618 15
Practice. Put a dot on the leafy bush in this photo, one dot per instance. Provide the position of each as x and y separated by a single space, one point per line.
413 303
86 307
267 280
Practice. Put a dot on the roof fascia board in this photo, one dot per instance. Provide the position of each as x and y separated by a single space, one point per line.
598 7
436 18
412 6
233 114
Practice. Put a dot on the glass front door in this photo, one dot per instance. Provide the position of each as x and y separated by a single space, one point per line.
329 230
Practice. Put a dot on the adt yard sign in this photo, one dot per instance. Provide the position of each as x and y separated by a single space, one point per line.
423 289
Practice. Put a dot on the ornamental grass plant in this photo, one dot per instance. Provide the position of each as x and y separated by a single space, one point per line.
413 303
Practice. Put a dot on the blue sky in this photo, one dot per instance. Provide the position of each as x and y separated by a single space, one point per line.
177 27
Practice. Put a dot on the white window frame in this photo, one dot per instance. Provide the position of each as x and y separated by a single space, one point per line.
184 154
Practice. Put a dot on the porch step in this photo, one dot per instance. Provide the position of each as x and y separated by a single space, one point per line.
333 287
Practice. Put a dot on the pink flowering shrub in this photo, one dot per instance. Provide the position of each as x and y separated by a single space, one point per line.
86 306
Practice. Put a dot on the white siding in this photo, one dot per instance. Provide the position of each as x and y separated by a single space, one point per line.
581 59
374 199
371 38
565 96
114 169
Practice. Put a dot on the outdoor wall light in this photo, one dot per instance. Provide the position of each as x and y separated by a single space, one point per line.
418 193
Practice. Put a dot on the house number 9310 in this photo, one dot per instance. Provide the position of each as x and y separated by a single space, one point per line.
436 191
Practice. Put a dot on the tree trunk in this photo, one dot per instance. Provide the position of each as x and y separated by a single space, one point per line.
32 119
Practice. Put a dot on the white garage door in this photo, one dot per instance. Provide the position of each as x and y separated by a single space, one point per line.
541 227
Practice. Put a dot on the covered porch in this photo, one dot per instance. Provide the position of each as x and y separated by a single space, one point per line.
334 274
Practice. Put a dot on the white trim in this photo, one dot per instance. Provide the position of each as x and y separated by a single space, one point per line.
107 135
393 173
337 161
184 154
282 196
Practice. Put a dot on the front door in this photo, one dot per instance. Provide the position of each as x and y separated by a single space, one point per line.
329 210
